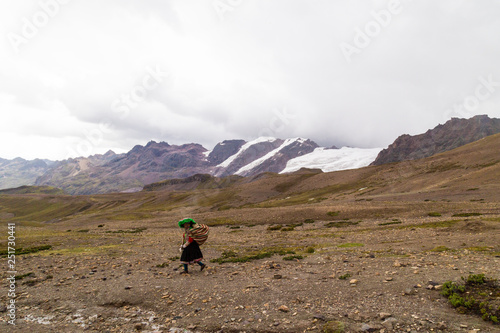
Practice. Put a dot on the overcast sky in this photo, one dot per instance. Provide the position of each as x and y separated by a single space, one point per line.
82 77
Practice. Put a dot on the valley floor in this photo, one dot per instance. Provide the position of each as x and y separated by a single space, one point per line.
371 275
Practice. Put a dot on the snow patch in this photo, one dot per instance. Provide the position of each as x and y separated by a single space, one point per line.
333 159
247 145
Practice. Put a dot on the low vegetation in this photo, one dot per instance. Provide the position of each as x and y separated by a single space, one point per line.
131 231
351 245
341 224
390 223
232 256
466 214
440 248
35 249
434 214
293 257
477 295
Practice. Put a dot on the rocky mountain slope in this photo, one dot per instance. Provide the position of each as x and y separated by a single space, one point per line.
454 133
158 161
360 250
18 172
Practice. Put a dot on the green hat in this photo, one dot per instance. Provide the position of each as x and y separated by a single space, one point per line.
182 222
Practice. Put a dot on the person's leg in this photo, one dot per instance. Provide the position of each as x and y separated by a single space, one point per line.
202 265
185 267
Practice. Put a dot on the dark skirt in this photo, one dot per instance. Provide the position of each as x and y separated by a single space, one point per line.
191 254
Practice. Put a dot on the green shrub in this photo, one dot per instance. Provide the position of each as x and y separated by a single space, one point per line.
165 264
475 279
351 245
333 327
474 296
340 224
389 223
434 214
310 249
440 248
20 250
466 214
456 300
293 257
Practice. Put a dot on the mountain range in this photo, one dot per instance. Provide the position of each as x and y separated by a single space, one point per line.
160 161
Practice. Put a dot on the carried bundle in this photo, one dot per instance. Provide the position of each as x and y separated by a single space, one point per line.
199 233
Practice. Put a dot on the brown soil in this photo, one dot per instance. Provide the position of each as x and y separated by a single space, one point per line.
102 281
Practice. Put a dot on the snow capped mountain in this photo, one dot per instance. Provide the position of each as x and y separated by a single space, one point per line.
284 151
158 161
244 148
247 153
333 159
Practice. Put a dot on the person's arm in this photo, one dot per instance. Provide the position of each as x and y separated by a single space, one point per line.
189 241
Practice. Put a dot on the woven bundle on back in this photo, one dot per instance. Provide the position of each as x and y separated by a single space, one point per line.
199 233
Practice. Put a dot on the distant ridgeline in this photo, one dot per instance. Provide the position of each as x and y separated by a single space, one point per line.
453 134
192 166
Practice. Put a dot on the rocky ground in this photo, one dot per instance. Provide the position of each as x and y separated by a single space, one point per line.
366 276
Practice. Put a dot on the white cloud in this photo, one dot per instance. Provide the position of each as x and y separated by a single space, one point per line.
228 76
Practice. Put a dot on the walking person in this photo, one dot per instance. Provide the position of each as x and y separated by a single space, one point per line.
194 235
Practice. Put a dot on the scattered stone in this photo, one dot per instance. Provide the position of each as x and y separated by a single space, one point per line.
367 328
408 291
384 315
284 308
179 330
277 276
430 287
441 326
388 279
438 287
357 316
353 281
3 308
128 287
389 323
319 317
139 326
